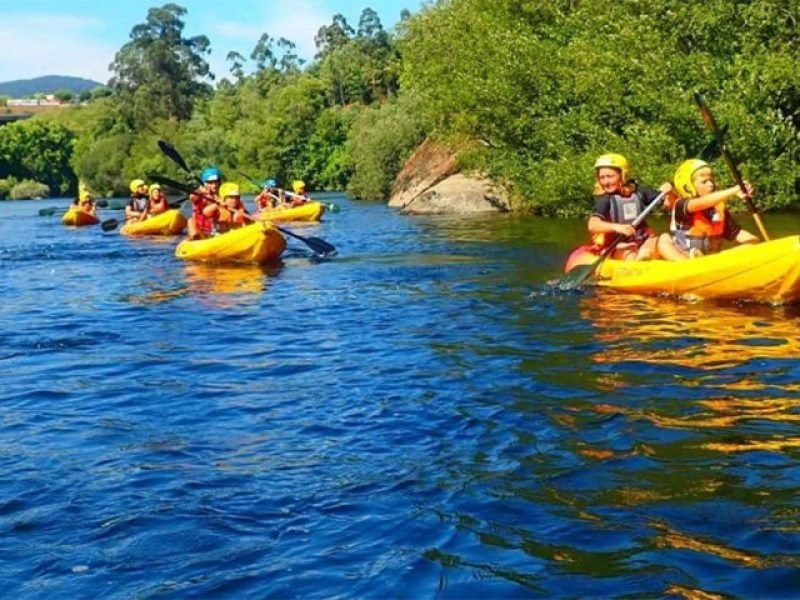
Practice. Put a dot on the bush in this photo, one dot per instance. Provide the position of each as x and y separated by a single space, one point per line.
6 185
29 189
379 143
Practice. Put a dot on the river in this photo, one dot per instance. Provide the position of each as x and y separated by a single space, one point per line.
417 417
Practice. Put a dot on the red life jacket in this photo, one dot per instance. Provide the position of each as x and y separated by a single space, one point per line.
203 222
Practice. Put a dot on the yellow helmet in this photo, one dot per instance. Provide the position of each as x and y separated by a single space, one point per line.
229 189
683 177
153 187
135 184
84 195
614 161
298 185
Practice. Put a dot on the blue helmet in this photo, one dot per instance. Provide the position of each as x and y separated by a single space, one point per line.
211 174
270 183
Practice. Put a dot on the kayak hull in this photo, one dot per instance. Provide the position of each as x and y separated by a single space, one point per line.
78 218
768 272
255 243
310 211
170 222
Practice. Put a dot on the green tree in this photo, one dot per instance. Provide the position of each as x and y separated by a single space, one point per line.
63 96
40 151
160 73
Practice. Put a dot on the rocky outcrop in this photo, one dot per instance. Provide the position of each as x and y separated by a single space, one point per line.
430 183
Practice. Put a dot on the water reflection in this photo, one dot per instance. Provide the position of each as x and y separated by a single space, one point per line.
728 370
205 279
703 336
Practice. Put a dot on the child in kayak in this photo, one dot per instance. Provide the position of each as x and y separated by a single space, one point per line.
299 197
86 203
158 202
618 201
231 214
205 205
700 219
270 197
136 210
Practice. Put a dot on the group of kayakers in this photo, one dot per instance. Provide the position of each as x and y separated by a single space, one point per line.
217 207
699 217
145 201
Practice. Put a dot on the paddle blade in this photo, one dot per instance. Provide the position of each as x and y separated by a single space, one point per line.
109 225
334 208
317 245
577 277
171 153
47 212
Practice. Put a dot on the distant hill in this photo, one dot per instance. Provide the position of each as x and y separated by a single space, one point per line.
25 88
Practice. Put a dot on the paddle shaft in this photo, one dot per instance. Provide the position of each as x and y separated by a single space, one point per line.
606 252
709 120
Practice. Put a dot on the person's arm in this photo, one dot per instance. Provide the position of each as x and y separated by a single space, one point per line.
599 223
714 198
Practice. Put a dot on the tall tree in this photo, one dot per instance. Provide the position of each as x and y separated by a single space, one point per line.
159 72
332 37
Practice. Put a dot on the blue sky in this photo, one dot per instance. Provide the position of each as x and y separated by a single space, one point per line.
80 37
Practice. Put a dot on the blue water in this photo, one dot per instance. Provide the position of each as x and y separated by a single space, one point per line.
418 417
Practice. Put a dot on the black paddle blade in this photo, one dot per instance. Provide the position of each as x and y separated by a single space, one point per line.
712 149
171 153
47 212
318 245
109 225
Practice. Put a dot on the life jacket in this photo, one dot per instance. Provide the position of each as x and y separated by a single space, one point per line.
139 203
203 222
624 210
705 232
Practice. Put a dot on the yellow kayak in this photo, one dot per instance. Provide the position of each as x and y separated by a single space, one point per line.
77 217
768 272
310 211
255 243
170 222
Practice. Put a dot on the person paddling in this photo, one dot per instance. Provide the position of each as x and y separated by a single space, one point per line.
271 196
618 201
137 208
158 201
299 197
700 219
205 205
86 203
231 214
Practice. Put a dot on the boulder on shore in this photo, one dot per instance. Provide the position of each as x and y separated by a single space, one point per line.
430 183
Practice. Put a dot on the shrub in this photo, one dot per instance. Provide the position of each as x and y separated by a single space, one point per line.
29 189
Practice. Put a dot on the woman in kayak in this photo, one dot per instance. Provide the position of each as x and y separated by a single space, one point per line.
232 213
158 202
700 219
205 205
618 201
136 210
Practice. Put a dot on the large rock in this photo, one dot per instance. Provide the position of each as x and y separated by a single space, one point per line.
431 184
459 194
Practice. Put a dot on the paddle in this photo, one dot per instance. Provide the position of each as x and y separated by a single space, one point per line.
48 212
732 166
317 245
581 273
331 206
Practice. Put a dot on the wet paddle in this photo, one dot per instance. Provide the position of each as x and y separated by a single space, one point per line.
319 246
581 273
719 134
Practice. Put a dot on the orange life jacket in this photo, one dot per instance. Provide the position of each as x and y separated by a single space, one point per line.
705 231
